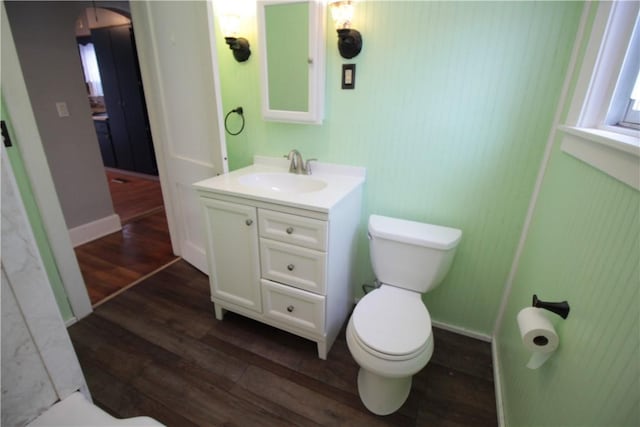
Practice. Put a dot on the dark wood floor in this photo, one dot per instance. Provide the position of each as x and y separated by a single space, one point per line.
157 350
133 195
118 260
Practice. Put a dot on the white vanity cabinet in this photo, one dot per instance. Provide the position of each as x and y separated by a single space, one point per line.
285 264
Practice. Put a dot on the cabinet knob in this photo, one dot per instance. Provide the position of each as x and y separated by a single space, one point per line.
289 230
290 267
249 222
290 309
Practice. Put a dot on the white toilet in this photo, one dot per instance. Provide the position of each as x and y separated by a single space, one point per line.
389 333
76 411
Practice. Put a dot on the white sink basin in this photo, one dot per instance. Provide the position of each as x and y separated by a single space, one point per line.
280 182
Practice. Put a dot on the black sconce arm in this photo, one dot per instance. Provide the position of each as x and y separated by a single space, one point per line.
240 48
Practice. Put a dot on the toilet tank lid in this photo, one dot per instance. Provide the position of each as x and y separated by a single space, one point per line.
415 233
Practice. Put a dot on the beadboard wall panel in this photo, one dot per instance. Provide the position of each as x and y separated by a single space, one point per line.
451 111
583 246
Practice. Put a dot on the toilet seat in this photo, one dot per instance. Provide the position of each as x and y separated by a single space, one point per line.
392 323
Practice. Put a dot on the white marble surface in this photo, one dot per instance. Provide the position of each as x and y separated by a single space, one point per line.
26 388
340 179
24 276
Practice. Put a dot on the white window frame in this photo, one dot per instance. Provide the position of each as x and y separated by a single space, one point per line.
611 149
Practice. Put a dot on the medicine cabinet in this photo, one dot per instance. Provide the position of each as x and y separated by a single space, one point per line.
292 55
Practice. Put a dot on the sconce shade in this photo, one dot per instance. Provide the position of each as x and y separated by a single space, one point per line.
349 40
240 48
230 25
342 13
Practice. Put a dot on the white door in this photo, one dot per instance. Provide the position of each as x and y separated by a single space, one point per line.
180 74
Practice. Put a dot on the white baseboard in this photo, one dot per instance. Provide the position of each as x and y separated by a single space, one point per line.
497 385
462 331
94 230
70 322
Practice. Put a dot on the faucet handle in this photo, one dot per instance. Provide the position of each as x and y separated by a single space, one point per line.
307 166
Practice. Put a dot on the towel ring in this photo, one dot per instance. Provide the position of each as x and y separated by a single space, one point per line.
236 110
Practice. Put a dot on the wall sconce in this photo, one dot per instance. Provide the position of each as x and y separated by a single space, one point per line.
349 40
239 45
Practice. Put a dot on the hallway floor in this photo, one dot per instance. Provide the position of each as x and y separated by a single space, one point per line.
157 350
119 260
134 195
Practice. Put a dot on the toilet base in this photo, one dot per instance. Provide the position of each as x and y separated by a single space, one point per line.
382 395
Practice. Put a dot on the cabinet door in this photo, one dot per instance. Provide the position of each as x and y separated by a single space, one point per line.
132 99
232 250
101 38
124 98
104 139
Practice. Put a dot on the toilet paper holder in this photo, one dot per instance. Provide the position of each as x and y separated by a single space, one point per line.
559 308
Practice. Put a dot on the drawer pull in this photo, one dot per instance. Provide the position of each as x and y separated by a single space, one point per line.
290 308
249 222
289 230
290 267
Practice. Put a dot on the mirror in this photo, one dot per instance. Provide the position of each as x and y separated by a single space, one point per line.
292 48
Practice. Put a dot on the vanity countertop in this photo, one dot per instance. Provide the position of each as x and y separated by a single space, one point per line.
340 181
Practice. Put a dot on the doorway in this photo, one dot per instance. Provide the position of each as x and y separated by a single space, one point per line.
113 263
183 87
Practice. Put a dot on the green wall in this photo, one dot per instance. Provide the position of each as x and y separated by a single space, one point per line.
583 246
451 112
33 212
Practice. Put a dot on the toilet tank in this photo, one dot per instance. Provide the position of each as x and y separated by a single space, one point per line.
411 255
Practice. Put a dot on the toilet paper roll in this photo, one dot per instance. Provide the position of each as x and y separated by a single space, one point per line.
538 335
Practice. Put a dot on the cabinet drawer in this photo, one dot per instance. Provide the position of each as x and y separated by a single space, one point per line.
297 230
292 306
292 265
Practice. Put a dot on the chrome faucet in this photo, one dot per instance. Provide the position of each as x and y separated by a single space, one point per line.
295 161
297 165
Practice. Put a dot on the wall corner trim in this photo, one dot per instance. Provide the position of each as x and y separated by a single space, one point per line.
497 384
94 230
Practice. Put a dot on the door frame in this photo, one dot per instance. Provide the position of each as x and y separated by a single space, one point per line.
19 107
18 104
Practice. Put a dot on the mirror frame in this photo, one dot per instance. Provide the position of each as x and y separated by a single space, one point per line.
316 78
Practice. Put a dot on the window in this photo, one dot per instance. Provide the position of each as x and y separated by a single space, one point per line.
90 68
631 117
624 110
602 123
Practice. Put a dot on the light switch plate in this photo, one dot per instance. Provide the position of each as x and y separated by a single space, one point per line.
63 111
348 76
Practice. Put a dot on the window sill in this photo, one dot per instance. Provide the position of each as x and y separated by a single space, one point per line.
615 154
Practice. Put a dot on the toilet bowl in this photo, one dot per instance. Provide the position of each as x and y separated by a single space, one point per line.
389 333
76 411
389 336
